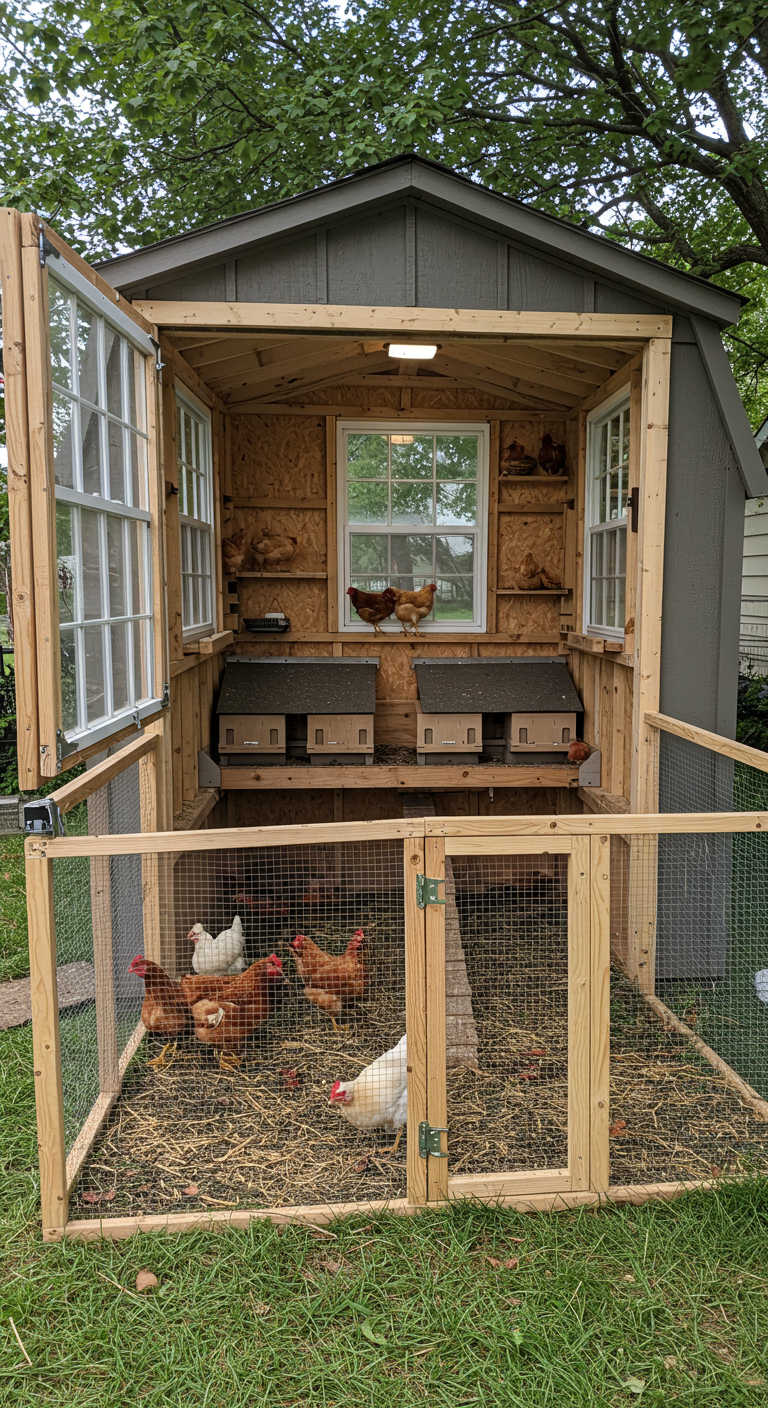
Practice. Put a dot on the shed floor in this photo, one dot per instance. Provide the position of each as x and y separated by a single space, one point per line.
187 1135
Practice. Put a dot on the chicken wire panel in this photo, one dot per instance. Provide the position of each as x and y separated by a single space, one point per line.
98 927
253 1087
673 1116
507 1013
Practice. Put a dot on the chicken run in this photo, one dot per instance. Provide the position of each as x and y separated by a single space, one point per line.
274 1072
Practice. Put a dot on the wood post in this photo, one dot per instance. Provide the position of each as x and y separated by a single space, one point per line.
415 1017
437 1106
49 1095
579 975
600 1011
331 543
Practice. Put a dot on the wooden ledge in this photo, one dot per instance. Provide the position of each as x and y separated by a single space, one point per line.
409 777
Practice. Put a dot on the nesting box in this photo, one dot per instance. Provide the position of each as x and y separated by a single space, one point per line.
447 737
321 707
337 735
540 733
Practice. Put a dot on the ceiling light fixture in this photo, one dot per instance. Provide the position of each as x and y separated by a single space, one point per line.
412 350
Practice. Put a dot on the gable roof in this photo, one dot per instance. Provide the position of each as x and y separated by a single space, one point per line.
415 178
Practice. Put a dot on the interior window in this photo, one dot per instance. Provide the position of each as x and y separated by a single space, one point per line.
412 499
606 521
104 571
193 438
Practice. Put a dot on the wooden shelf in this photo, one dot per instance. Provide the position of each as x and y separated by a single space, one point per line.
282 576
246 638
409 777
279 503
535 591
553 508
534 478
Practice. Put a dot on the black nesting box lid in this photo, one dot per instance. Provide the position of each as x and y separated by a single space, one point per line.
298 686
525 685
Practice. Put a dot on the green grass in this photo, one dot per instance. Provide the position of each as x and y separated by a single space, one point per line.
14 958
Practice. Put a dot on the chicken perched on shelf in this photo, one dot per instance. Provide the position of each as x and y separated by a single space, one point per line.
228 1010
412 607
330 980
378 1097
233 552
372 607
514 460
578 752
530 577
164 1011
224 954
552 456
274 550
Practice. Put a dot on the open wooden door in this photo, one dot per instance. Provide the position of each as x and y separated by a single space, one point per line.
84 485
531 1119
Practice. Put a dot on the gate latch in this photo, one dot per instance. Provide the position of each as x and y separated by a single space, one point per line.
429 1140
428 891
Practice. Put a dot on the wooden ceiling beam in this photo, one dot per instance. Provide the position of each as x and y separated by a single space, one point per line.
267 366
501 384
293 383
508 364
534 357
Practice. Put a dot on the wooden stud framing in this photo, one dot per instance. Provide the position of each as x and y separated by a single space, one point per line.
437 1106
49 1095
325 317
644 781
72 793
331 544
19 500
415 1017
600 1012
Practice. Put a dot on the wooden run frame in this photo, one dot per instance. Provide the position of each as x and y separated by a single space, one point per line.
426 842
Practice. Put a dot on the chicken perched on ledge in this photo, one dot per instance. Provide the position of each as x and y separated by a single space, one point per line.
233 552
274 550
530 577
372 607
412 607
329 979
164 1011
552 456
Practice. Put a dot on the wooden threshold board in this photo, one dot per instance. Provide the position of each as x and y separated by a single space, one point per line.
409 777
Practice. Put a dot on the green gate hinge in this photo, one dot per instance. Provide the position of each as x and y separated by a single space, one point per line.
429 1140
428 891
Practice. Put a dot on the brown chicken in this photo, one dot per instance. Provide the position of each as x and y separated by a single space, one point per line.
233 551
230 1009
551 456
514 460
329 979
195 986
164 1010
412 607
530 577
274 550
578 752
372 607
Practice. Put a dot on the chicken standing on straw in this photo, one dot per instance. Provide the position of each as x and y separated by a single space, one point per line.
378 1097
224 954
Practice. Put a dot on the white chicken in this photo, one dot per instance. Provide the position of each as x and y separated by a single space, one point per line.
222 956
378 1097
761 984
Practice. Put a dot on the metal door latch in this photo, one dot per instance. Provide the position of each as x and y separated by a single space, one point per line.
429 1140
428 891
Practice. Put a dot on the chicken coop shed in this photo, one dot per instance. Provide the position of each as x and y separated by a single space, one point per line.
399 418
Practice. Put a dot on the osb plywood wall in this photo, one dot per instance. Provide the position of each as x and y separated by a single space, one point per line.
281 478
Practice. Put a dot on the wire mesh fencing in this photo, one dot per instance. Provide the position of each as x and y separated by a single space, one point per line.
99 926
273 1072
507 964
694 906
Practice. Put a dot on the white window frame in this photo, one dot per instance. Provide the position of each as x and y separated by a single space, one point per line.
348 621
592 523
85 733
197 522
